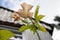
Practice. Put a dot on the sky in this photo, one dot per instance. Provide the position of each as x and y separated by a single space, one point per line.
49 8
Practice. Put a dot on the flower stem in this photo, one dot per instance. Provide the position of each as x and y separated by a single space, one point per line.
38 35
36 30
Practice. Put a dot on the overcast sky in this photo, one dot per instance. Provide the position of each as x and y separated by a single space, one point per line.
49 8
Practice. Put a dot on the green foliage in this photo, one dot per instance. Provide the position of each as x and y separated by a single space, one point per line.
32 28
36 11
25 21
23 28
41 28
5 34
57 18
29 26
38 18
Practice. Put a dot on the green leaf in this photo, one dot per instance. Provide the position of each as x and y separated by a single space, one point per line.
32 29
23 28
36 11
5 34
38 18
41 28
25 21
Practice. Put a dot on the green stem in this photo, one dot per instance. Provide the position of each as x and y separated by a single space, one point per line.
38 35
36 30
